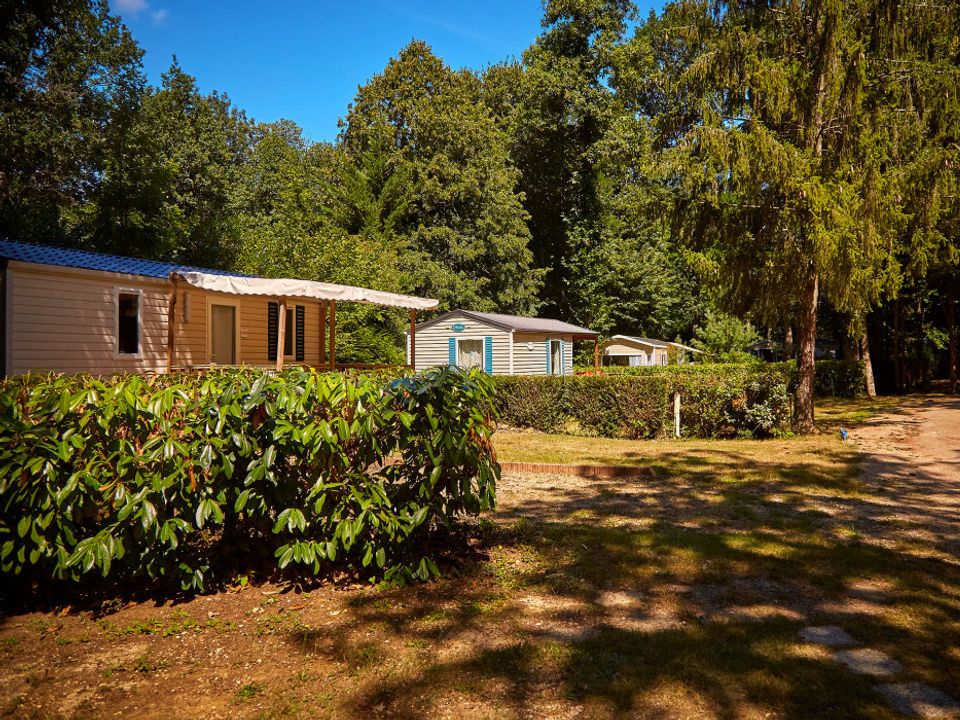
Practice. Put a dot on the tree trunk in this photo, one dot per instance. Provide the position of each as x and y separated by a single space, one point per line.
867 363
897 350
851 347
921 364
953 336
788 342
806 356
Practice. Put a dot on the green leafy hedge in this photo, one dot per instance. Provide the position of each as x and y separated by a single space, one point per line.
716 401
833 378
135 477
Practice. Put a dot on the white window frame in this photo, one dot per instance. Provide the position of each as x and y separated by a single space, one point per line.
559 341
211 301
119 290
290 331
482 351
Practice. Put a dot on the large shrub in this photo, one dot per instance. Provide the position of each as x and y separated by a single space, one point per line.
716 401
137 477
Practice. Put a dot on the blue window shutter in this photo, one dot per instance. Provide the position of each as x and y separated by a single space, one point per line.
549 370
488 354
452 351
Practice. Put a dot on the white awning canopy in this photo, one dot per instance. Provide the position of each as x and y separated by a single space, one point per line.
287 287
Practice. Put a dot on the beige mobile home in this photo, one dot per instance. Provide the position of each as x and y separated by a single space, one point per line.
499 344
76 311
640 351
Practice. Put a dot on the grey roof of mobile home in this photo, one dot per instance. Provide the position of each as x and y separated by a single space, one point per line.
517 323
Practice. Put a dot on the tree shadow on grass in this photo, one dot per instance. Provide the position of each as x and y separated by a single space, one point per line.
724 667
672 597
724 671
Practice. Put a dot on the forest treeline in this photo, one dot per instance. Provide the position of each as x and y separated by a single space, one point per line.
785 161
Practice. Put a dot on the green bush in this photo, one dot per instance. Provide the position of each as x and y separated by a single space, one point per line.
137 477
833 378
531 401
618 406
716 401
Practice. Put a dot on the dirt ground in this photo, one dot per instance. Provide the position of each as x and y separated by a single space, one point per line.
679 593
911 464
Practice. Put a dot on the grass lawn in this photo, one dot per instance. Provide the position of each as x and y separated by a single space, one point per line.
675 594
832 413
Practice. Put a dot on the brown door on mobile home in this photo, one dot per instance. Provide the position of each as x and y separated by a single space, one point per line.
223 334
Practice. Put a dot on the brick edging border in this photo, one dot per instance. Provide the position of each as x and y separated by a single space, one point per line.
595 471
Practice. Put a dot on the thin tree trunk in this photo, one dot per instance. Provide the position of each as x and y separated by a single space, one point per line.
953 336
808 303
921 365
897 350
867 363
806 355
851 350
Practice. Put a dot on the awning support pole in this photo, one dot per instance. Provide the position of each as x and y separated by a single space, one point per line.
323 332
413 339
333 334
596 353
281 332
171 327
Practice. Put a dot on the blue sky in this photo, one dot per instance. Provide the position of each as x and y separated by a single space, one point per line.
304 60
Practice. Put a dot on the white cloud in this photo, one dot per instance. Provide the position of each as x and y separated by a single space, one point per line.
132 7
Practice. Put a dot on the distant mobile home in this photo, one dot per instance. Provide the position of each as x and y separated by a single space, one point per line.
70 311
639 351
498 344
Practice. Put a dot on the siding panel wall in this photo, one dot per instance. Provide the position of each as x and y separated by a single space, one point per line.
433 343
65 321
622 348
530 352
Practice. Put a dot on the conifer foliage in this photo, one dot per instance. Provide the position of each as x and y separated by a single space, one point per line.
792 162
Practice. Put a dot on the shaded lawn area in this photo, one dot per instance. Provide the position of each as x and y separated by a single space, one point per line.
678 593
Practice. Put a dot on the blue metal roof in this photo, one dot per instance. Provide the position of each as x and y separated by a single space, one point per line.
86 260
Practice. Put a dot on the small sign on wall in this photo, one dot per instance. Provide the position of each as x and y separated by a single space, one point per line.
458 327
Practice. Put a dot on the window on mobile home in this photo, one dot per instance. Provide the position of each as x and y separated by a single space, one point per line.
128 330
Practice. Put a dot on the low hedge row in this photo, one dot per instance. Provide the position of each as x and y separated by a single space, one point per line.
135 477
833 378
729 400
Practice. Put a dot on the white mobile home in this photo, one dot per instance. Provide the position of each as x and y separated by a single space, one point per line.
499 344
75 311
